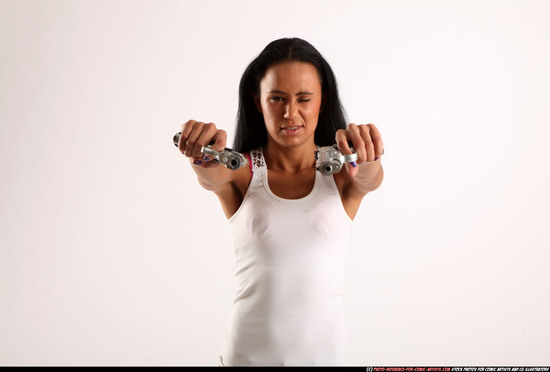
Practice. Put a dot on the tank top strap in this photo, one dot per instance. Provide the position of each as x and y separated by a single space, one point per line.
258 161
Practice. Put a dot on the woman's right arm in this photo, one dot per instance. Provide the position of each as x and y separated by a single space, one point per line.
229 185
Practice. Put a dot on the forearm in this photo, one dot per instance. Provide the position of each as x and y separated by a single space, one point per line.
370 176
194 136
213 177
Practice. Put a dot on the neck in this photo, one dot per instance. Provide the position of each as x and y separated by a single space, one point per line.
289 159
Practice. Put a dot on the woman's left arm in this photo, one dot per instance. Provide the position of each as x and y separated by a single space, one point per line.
367 175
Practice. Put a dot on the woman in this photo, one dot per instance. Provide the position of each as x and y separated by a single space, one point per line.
290 223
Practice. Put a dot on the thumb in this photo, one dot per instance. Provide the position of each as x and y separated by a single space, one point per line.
352 171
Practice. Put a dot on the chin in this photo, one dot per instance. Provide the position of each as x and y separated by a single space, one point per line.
293 142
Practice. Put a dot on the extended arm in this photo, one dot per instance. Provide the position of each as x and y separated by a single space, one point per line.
367 142
229 185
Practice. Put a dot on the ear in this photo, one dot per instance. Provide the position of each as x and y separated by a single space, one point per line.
256 98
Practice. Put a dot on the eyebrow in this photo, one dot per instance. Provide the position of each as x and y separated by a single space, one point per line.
298 94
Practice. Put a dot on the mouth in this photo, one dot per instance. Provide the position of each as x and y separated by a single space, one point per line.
292 130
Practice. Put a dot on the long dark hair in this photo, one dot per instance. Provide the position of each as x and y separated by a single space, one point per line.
251 132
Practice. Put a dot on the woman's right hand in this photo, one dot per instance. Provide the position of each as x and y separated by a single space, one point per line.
195 135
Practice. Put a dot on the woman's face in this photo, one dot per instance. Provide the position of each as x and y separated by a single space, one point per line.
290 100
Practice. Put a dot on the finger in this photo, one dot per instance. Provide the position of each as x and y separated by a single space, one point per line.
220 140
342 139
354 134
193 149
205 163
368 144
217 138
190 141
205 138
185 130
377 141
352 170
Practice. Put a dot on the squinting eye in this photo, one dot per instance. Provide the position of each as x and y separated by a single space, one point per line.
276 98
305 100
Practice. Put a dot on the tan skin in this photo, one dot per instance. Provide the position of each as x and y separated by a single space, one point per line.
290 100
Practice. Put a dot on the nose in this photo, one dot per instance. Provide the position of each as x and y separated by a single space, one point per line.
291 110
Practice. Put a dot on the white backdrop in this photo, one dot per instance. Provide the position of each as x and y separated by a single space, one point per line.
111 254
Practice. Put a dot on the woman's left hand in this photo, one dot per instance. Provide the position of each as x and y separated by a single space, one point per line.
365 139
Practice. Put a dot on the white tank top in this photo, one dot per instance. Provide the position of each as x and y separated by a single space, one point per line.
290 256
